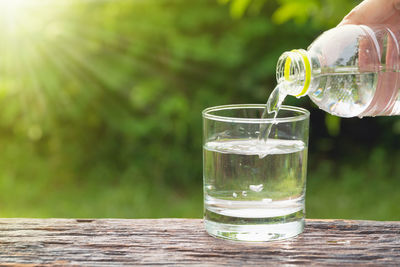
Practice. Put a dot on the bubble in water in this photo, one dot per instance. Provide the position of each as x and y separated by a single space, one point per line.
234 195
256 188
244 193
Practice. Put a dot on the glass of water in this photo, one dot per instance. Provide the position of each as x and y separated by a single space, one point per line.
254 188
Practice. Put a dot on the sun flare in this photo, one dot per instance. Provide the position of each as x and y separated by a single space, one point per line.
28 36
18 14
12 3
52 52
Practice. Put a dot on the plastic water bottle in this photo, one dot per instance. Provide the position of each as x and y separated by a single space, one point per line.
348 71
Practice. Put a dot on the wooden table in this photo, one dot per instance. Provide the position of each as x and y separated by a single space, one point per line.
183 242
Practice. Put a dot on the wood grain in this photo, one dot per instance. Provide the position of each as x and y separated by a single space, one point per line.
183 242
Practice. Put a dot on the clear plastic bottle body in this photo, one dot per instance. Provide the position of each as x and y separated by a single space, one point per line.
351 70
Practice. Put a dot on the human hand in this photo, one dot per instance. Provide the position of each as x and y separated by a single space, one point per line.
374 12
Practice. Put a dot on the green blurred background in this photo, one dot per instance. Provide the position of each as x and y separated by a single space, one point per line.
101 106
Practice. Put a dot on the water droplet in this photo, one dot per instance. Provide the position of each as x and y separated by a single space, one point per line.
256 188
234 195
244 193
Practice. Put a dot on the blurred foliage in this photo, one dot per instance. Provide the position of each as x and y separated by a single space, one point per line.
319 12
332 124
101 106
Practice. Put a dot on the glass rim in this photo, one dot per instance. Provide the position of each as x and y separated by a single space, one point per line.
305 114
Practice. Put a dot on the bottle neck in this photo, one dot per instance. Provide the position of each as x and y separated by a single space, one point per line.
293 71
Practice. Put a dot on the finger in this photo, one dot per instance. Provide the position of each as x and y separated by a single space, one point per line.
372 12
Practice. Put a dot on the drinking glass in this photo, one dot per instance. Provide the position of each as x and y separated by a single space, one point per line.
254 188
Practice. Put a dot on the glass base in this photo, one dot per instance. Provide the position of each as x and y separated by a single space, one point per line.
255 232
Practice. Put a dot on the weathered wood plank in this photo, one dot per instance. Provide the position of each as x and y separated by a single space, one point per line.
183 242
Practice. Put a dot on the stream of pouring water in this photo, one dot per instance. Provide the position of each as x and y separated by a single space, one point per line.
271 110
